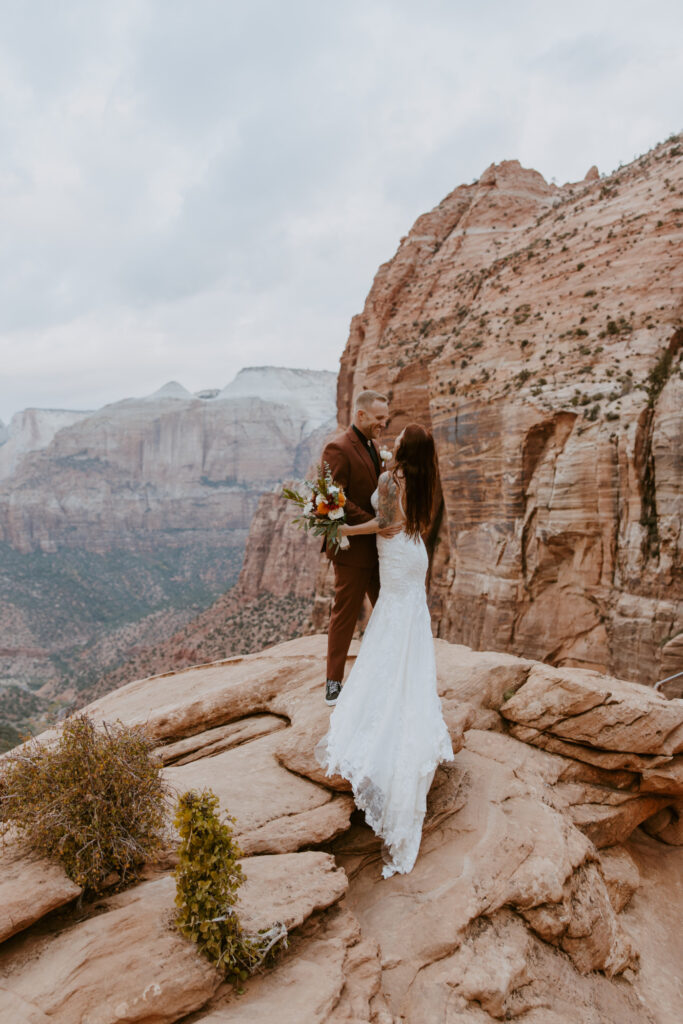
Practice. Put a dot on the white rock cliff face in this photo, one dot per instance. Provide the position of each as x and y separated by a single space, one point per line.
168 462
29 431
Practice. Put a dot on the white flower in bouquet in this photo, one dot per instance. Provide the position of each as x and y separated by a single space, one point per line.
321 507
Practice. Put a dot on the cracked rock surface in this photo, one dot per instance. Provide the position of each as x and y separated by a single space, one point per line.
535 897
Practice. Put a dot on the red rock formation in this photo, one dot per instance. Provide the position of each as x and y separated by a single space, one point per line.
538 331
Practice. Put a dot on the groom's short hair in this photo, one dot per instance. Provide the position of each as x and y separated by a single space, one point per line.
364 399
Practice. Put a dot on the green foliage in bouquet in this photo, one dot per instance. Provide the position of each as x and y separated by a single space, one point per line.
208 877
322 506
93 798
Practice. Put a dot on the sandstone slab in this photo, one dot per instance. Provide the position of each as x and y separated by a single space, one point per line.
479 678
174 706
78 975
610 761
209 742
288 888
30 887
331 975
604 713
276 811
129 964
504 847
606 805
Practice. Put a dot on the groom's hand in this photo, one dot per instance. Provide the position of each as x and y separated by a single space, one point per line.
390 531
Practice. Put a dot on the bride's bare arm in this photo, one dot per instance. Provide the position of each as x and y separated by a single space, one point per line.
372 526
389 520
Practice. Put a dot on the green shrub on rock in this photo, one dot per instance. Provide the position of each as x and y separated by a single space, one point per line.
208 877
93 798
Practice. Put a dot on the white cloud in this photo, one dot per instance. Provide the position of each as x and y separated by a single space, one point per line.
189 188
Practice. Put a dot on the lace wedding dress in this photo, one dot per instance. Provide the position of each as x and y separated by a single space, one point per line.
387 734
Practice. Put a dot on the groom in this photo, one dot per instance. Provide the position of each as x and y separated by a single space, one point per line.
354 459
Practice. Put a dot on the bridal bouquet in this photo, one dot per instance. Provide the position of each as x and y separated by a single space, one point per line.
322 507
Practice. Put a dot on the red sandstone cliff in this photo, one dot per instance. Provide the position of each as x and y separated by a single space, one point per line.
538 331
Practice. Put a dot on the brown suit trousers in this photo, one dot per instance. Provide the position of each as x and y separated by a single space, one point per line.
351 584
356 570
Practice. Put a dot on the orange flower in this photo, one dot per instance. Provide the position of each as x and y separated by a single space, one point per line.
322 508
341 499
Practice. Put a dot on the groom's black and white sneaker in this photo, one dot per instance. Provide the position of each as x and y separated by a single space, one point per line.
332 691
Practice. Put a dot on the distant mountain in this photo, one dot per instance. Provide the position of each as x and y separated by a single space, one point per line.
29 431
284 386
117 526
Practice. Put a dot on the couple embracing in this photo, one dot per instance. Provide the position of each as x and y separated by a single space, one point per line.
387 734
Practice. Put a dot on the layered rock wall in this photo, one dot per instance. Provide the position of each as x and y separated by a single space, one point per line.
168 466
538 331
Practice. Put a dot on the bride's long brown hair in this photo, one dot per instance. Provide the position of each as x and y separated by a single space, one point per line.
416 459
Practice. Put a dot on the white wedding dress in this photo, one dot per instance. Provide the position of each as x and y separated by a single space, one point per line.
387 734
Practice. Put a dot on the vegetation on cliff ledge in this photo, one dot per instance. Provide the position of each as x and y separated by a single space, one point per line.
93 799
208 877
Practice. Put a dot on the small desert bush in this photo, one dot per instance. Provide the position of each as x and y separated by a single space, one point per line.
208 877
93 799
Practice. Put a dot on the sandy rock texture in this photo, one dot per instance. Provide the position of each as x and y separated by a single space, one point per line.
127 963
536 897
538 330
30 887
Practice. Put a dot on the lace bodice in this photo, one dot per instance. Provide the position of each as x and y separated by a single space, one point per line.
403 561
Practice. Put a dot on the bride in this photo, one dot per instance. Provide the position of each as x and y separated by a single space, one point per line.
387 734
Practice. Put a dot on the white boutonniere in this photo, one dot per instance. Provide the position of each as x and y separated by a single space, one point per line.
385 454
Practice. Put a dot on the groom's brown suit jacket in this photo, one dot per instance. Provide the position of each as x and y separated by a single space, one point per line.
353 469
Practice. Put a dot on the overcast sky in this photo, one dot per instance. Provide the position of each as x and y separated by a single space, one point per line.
191 186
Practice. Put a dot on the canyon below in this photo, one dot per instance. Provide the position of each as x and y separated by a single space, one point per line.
120 525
